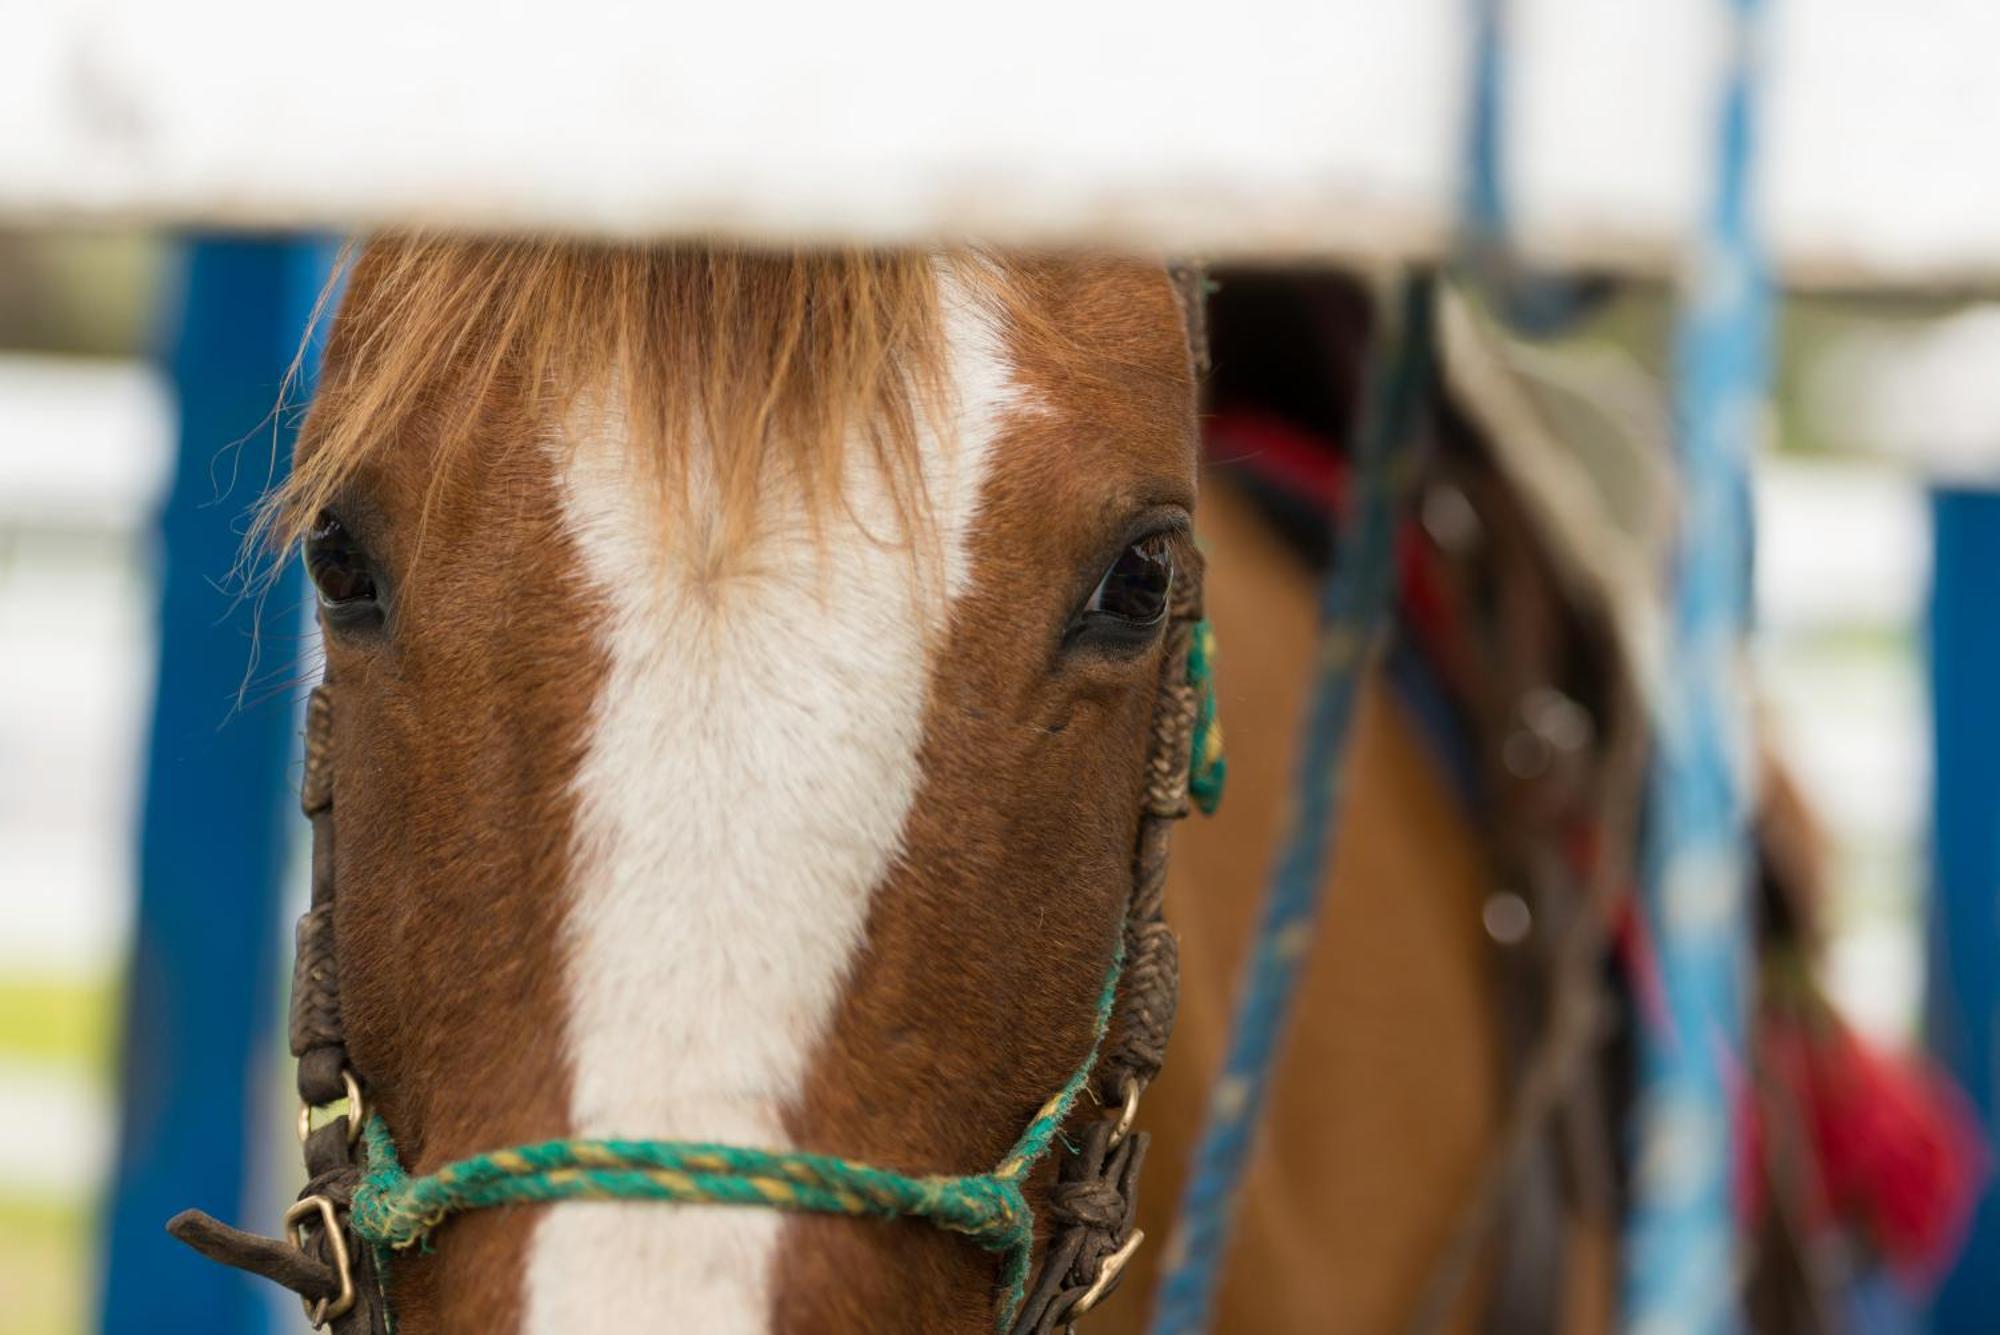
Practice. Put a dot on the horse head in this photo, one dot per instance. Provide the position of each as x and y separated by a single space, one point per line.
746 670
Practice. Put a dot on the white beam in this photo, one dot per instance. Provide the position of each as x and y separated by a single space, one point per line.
1273 127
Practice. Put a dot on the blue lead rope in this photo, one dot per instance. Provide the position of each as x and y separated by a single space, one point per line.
1353 606
1680 1253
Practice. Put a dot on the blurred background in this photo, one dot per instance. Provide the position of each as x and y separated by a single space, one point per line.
129 756
86 439
139 386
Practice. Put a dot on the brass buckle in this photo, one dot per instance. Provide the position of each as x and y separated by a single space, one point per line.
1108 1271
323 1311
357 1111
1130 1087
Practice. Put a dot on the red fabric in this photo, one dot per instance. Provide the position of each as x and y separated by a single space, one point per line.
1424 604
1282 453
1311 467
1632 938
1896 1150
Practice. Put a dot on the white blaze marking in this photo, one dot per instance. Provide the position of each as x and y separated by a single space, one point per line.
750 765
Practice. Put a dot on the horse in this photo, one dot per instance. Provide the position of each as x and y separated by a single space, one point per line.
743 680
764 683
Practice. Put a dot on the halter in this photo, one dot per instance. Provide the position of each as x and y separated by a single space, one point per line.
359 1206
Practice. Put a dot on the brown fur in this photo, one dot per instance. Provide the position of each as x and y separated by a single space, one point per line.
461 728
455 739
990 940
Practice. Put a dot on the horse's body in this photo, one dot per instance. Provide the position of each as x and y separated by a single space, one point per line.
1362 1206
1391 1089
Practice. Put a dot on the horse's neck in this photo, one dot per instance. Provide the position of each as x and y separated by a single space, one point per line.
1389 1091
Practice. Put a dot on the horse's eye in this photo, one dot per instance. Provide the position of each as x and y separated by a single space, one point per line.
339 568
1134 591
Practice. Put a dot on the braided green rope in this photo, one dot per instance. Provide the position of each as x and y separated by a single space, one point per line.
393 1210
1207 766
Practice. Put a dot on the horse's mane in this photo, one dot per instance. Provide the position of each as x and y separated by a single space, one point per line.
778 363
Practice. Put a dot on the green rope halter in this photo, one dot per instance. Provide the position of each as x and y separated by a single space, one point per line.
393 1211
1207 766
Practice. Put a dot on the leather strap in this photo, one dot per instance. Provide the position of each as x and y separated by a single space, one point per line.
318 1267
1554 742
1095 1201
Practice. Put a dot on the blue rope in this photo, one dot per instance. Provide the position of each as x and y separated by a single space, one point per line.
1485 201
1532 302
1680 1260
1353 604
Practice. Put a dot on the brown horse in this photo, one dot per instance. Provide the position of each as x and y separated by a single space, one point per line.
746 671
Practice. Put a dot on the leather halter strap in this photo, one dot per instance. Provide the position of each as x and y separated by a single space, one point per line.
335 1274
338 1273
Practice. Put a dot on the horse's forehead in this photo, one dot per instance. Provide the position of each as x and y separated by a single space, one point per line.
1104 361
1105 332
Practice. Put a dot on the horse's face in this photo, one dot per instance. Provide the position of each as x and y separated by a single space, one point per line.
777 796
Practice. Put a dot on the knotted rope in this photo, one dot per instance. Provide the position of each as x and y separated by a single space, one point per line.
1208 768
394 1211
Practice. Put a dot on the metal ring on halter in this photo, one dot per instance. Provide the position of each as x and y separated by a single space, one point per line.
357 1112
1131 1087
1108 1271
323 1311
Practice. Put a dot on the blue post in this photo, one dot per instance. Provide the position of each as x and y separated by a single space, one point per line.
1681 1261
201 993
1964 1000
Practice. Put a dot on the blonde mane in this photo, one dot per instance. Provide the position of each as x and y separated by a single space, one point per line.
778 363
